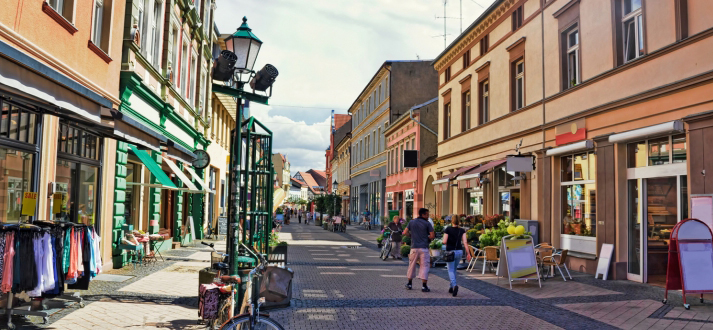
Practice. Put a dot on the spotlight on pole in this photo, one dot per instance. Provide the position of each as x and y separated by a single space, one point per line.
264 78
223 66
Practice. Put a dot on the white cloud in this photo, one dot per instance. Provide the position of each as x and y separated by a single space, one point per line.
327 50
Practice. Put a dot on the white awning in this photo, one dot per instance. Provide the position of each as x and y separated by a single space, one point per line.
675 126
571 148
181 176
440 181
200 181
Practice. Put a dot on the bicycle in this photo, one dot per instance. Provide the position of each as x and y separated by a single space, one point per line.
366 223
251 318
386 248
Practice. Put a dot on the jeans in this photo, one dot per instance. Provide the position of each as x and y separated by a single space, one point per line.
453 266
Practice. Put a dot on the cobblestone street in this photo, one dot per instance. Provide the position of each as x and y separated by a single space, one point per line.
341 283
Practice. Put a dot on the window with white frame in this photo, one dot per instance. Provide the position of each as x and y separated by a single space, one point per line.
484 102
633 29
184 68
572 36
519 84
379 145
658 151
201 98
64 8
98 18
579 194
174 54
155 49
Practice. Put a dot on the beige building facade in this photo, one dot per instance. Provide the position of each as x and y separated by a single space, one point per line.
611 100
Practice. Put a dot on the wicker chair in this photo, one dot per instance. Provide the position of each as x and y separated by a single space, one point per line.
558 260
491 256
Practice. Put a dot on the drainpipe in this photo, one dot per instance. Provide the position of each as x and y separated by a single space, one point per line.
410 114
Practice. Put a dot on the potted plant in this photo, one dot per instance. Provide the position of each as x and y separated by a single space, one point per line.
405 250
435 247
406 240
472 236
577 227
379 239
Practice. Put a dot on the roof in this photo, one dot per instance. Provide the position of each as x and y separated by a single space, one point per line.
342 132
384 65
298 182
460 37
310 181
429 160
340 120
319 176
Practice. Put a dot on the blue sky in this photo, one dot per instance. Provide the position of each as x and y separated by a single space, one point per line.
327 50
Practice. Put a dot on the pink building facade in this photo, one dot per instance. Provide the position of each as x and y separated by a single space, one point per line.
411 131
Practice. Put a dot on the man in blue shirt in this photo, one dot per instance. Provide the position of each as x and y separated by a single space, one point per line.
421 232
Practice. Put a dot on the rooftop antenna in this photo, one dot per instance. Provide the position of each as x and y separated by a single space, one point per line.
444 17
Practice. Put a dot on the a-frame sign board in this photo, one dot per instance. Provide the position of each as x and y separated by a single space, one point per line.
690 260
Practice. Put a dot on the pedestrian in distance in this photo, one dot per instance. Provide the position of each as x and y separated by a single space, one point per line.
455 239
395 228
299 216
421 232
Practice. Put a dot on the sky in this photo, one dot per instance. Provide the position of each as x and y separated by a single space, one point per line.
327 50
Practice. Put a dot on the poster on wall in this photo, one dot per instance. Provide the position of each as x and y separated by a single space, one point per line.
702 208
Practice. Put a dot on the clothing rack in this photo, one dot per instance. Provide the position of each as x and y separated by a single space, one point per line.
39 226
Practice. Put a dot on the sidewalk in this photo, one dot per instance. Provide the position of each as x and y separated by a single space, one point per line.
157 295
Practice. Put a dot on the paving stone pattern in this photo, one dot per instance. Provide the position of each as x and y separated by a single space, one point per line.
340 283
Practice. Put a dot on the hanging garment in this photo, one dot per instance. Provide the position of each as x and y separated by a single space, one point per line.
97 252
72 261
2 254
39 256
90 246
48 271
66 251
26 269
7 274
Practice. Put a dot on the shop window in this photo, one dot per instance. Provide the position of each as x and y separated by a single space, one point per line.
18 123
659 151
579 197
16 168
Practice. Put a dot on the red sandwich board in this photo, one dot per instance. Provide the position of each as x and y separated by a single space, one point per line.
690 260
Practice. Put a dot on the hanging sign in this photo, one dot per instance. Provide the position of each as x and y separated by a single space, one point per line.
519 260
690 259
604 260
29 203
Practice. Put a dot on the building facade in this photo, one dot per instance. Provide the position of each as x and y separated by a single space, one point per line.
338 121
165 86
618 144
413 130
340 163
393 90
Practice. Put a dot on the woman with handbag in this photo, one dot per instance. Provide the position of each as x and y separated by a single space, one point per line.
455 240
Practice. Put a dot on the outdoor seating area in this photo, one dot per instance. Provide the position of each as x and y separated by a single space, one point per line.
548 258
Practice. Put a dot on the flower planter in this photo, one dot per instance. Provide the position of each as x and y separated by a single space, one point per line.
435 253
380 245
577 228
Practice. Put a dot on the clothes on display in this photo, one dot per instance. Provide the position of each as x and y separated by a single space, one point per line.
39 259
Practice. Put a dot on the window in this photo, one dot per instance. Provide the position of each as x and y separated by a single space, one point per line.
206 19
579 197
519 85
571 69
174 54
517 18
388 162
64 8
379 96
379 145
192 88
375 100
386 89
448 74
401 157
659 151
465 116
201 98
466 59
413 144
184 69
447 122
632 27
154 52
484 44
407 145
484 102
97 27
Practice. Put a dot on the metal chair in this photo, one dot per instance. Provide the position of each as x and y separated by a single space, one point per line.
477 254
491 256
558 260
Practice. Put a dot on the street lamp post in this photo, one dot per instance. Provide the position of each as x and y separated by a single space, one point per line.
235 66
335 185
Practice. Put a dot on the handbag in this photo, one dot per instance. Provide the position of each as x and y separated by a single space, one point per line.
449 256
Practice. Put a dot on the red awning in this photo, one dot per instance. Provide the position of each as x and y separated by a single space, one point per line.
471 178
459 172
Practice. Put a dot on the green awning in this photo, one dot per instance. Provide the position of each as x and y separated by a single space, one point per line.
153 167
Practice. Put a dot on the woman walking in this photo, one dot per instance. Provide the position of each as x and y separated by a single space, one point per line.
455 239
395 228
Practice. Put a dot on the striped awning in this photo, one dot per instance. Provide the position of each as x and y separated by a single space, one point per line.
471 178
441 185
469 183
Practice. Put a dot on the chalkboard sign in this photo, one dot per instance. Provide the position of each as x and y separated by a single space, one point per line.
222 226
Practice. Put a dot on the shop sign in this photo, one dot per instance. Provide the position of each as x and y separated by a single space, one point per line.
29 203
519 163
408 195
570 132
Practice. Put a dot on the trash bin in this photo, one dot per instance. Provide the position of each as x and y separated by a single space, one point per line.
276 287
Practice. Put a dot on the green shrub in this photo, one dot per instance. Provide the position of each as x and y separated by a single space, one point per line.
405 250
479 226
379 239
437 227
406 240
472 235
436 244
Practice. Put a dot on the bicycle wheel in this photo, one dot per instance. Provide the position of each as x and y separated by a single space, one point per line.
385 251
243 323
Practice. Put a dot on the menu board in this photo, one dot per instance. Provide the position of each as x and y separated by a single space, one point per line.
520 262
697 265
222 226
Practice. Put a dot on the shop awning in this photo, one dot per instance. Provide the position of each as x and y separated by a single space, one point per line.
671 127
190 187
179 152
471 178
200 181
571 148
153 167
51 90
126 129
441 184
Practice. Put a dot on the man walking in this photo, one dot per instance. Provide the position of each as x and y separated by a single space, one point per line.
299 215
421 232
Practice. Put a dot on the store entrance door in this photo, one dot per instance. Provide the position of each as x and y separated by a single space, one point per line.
655 206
